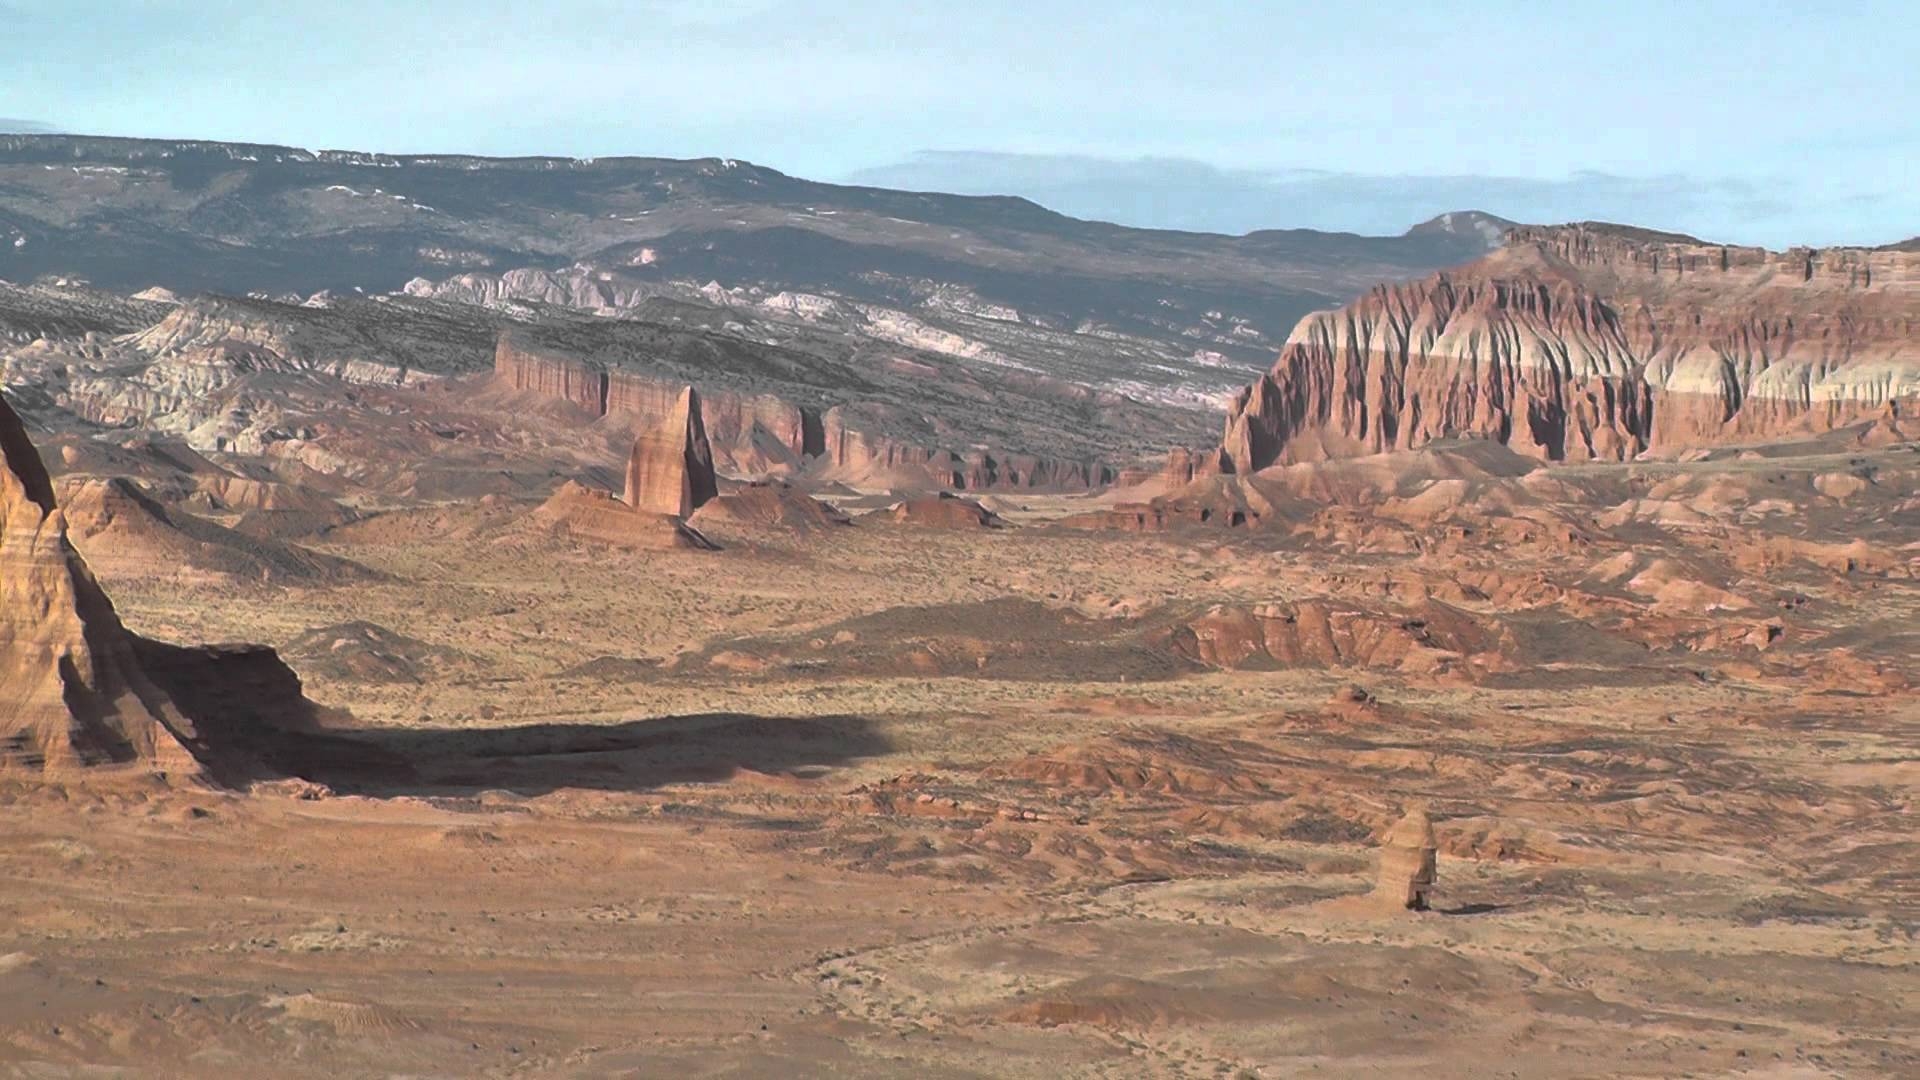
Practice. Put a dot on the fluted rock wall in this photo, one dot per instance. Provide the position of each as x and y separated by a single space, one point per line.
550 376
1579 343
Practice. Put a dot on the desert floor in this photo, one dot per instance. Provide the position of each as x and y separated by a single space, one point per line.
885 800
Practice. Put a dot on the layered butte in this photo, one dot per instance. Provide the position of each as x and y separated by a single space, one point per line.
1590 342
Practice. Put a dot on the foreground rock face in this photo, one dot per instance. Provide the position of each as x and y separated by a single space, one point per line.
1582 343
671 468
77 688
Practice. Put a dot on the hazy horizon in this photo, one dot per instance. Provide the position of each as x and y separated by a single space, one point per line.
1215 117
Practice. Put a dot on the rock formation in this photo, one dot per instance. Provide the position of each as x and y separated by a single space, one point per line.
772 504
581 511
1184 466
1407 858
671 468
1432 639
124 532
942 511
77 688
1585 342
761 433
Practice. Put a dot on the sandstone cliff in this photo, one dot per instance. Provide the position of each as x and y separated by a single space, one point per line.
757 434
1589 342
671 468
79 689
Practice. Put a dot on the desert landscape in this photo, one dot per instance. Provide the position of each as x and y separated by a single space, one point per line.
839 671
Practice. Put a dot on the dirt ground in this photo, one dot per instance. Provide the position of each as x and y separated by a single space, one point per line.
1039 801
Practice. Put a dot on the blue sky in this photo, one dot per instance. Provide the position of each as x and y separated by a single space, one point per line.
1760 122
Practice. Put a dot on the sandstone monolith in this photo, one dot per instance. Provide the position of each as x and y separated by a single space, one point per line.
671 468
1407 863
71 691
77 688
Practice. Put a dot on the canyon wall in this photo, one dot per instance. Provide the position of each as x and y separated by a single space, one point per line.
1579 343
754 434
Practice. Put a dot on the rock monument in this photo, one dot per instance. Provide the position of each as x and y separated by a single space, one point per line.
78 689
671 468
1407 858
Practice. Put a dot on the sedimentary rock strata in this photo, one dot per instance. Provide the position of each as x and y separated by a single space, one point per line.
1584 343
943 512
1436 639
773 504
670 470
77 688
756 434
1407 863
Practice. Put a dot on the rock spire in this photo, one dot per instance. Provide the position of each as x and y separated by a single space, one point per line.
1407 858
671 468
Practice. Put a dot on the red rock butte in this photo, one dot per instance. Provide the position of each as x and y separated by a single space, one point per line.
671 468
1589 342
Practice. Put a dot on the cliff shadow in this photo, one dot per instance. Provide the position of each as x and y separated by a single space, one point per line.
534 759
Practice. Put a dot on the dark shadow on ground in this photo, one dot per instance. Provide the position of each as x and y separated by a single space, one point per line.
1472 909
534 759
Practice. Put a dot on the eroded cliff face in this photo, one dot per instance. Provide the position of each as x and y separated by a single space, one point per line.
757 434
78 689
1579 343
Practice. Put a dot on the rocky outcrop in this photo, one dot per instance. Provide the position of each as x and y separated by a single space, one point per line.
671 468
752 433
519 368
764 432
219 338
858 456
1435 639
1408 858
126 533
1583 343
771 504
1184 466
77 689
579 287
942 511
582 512
759 434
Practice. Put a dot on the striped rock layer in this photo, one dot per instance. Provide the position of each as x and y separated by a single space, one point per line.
1579 343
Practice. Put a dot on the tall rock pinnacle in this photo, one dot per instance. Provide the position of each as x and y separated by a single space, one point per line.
72 692
78 689
671 468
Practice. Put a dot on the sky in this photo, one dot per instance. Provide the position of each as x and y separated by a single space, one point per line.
1752 122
